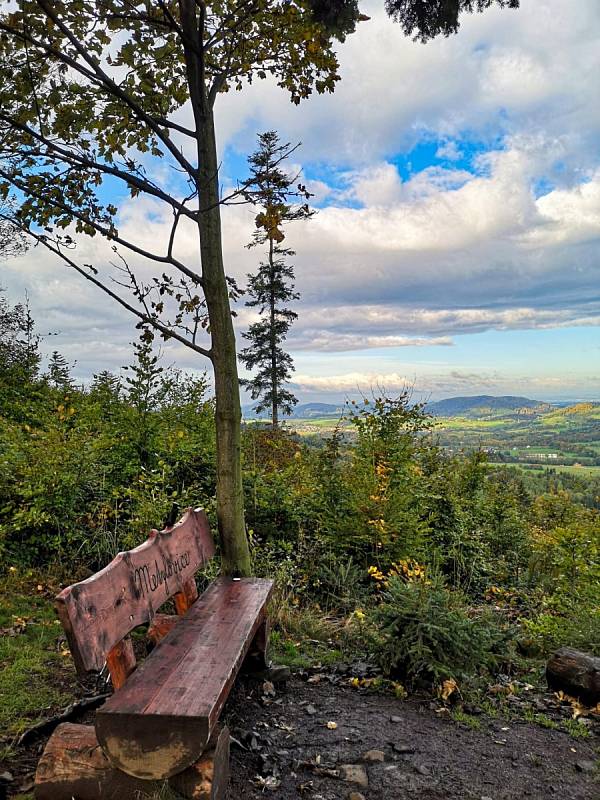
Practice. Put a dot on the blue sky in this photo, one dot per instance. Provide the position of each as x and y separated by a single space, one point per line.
456 246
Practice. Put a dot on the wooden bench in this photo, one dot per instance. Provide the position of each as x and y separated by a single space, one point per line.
162 721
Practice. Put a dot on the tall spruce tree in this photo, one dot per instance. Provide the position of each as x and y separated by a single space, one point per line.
274 191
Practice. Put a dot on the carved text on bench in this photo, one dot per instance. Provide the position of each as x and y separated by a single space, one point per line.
147 581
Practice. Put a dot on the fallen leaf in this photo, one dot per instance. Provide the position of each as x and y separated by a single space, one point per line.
448 688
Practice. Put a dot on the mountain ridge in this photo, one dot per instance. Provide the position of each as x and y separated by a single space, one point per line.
460 406
485 404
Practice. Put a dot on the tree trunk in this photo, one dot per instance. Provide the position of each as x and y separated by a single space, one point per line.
576 673
73 765
235 554
230 496
274 386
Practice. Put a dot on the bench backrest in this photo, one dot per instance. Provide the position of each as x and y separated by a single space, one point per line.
98 613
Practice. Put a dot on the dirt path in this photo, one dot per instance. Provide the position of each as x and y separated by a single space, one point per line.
289 752
283 749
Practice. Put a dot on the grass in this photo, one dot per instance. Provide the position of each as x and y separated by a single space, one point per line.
302 654
538 467
540 719
460 716
577 729
35 678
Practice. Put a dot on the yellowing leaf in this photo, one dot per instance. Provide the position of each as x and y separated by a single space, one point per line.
448 688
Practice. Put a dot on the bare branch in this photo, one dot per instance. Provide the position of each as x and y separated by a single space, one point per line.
111 235
144 317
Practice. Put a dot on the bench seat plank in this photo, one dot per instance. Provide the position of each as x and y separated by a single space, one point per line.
160 721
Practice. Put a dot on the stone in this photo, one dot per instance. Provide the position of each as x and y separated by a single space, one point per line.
310 709
374 756
395 719
356 796
585 766
354 773
278 673
422 769
403 749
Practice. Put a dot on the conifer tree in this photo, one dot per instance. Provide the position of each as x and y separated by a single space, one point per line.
272 189
145 387
59 372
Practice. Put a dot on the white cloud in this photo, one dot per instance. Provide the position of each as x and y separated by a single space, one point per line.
352 382
449 150
531 69
509 242
433 384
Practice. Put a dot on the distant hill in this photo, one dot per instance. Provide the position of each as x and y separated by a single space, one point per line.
485 404
302 411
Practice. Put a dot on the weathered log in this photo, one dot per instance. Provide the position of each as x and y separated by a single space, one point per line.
74 766
576 673
159 723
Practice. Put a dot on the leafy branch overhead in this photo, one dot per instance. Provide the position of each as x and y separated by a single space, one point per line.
79 111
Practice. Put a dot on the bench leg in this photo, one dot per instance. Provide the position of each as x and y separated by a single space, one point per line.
73 765
257 660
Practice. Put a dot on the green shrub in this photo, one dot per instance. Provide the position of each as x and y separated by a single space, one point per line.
338 583
566 624
423 630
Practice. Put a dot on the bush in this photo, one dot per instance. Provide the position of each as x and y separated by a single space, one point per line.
338 584
568 620
423 630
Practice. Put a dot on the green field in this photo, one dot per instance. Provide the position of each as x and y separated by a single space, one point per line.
583 472
572 434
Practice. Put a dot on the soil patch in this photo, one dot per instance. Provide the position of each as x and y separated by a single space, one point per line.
285 749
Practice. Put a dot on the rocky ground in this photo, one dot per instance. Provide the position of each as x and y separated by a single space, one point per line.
315 737
318 738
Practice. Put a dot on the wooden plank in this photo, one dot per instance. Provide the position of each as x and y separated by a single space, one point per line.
185 599
100 611
121 662
160 626
73 765
160 721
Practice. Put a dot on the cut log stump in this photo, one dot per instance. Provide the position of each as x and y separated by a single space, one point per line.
576 673
74 766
